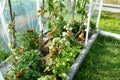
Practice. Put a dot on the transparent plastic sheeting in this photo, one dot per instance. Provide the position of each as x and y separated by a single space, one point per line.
26 14
26 18
4 36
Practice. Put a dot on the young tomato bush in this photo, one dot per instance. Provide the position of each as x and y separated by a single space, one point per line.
29 40
60 64
56 21
27 67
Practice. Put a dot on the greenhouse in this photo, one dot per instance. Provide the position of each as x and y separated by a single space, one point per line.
59 40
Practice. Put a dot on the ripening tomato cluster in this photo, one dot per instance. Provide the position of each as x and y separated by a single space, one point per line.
35 40
42 11
81 36
28 30
53 31
18 75
55 50
20 50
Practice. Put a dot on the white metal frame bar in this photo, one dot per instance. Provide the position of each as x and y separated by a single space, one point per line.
1 76
40 18
88 22
114 35
99 14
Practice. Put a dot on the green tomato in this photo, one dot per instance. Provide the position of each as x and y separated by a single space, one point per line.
63 64
10 31
58 19
9 26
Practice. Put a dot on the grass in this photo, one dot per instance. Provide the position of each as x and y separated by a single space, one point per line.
110 22
102 62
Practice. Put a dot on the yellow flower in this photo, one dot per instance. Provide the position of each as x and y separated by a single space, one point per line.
35 42
20 50
49 33
33 38
54 29
60 47
54 50
42 11
38 39
81 36
51 55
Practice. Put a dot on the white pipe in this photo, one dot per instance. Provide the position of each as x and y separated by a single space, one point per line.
88 24
99 14
109 34
3 7
40 18
1 76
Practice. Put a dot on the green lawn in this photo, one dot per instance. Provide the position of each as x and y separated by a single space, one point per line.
110 22
102 62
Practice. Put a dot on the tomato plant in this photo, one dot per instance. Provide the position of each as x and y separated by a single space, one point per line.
56 19
60 64
29 40
28 66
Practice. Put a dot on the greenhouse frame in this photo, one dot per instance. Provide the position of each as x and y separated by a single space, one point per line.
47 39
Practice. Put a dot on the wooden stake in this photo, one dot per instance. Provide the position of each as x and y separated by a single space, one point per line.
13 24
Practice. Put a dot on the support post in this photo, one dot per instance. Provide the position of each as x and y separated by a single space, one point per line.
40 21
39 18
88 24
99 14
10 7
12 24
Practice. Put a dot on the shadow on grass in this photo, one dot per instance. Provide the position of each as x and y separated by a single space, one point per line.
106 14
102 62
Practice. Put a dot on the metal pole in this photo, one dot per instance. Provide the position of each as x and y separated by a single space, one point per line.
99 14
40 22
40 18
88 24
37 3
